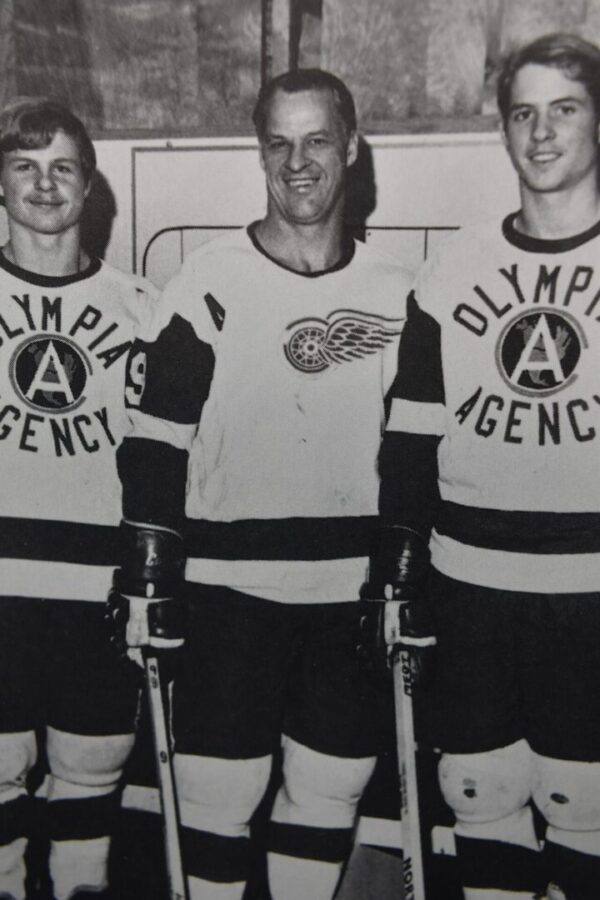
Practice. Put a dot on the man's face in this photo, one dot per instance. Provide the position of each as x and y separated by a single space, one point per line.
551 132
44 189
305 153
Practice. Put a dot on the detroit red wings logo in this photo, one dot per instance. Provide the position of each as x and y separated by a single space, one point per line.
345 335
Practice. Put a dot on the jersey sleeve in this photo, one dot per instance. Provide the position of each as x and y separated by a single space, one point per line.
168 380
408 467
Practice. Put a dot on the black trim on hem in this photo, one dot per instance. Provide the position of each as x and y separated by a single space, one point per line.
51 281
348 249
53 541
518 531
545 245
312 539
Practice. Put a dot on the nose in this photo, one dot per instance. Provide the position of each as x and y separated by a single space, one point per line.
45 181
296 157
543 127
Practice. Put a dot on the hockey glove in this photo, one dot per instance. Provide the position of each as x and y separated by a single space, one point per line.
144 609
395 609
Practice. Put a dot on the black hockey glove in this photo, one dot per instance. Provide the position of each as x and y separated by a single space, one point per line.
144 608
395 610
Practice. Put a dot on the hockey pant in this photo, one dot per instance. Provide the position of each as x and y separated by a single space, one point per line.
310 830
499 854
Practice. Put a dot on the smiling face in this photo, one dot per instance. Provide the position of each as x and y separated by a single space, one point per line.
305 152
551 131
44 189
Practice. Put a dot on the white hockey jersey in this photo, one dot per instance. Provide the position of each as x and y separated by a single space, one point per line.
282 478
63 349
511 326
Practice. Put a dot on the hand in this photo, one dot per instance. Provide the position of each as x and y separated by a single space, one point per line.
136 623
401 620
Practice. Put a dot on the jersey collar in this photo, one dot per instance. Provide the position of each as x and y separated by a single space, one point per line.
343 261
53 281
545 245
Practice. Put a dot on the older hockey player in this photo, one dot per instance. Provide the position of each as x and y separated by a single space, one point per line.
492 447
66 324
261 385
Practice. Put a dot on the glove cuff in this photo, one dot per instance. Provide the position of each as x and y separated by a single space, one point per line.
152 561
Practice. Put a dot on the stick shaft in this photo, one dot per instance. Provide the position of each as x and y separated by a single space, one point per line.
166 783
412 856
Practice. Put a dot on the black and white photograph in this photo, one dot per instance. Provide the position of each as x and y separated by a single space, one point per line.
299 450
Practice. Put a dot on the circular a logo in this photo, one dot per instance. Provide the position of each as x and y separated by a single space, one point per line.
49 373
538 351
304 348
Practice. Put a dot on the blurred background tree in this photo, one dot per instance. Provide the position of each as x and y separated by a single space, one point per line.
193 67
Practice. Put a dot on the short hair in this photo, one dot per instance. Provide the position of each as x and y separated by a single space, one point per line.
305 80
30 123
577 58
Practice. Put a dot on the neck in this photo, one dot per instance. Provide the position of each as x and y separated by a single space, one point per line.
45 254
558 215
304 248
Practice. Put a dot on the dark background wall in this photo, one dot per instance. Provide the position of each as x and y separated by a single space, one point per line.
192 67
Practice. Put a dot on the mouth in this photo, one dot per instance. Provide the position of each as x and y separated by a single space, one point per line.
45 204
543 157
301 184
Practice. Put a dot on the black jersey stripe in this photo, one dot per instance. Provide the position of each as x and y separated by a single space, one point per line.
310 539
419 375
54 541
520 531
178 371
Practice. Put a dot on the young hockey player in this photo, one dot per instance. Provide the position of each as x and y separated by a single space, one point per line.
492 449
66 324
261 385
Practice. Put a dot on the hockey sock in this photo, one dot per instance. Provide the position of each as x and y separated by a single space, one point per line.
500 860
575 870
80 821
217 798
310 835
14 827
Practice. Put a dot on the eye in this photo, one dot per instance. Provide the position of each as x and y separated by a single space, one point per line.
521 115
566 109
64 169
22 166
275 144
317 141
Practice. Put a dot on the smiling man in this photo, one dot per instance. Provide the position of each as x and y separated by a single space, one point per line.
66 324
261 386
491 455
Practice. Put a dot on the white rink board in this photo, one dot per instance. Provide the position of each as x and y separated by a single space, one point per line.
429 182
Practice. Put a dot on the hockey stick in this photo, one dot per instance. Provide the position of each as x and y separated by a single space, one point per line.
176 880
412 857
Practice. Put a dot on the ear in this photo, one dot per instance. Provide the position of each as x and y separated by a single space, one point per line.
352 149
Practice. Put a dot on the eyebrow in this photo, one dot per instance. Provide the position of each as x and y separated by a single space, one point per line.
567 99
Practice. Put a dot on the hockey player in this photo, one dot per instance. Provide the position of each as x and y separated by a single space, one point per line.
66 324
492 449
261 384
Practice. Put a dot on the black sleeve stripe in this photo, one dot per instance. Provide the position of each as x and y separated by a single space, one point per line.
154 477
409 492
177 371
419 375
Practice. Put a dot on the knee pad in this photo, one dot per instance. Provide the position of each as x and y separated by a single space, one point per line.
567 793
328 787
85 760
18 753
220 795
486 787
